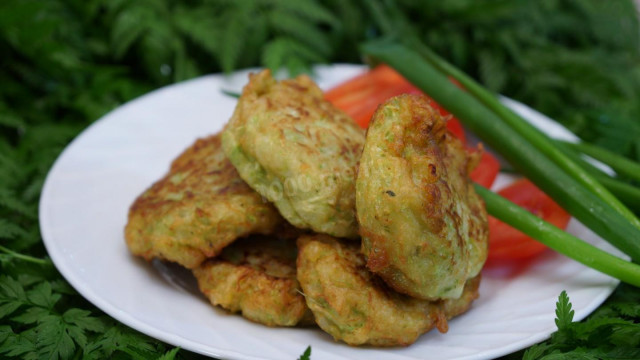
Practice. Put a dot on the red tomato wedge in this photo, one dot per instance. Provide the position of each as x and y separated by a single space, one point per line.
360 96
486 171
507 243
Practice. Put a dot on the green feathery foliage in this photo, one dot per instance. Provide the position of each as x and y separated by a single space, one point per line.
611 332
65 63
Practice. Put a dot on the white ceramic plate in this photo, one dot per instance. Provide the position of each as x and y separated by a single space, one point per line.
83 210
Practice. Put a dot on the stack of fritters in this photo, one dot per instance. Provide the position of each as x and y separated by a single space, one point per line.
289 166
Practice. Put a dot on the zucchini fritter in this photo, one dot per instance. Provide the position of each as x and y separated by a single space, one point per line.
297 150
197 209
256 276
355 306
423 227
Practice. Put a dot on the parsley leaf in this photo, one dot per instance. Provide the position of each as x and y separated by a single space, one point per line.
12 296
606 334
306 355
83 320
169 355
54 339
564 314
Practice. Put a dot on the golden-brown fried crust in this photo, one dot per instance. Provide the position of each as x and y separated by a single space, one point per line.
257 277
455 307
423 227
197 209
298 150
355 306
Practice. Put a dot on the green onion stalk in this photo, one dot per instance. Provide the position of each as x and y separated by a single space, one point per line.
559 240
621 165
628 194
526 130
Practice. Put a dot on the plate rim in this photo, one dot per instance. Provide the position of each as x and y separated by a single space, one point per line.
91 295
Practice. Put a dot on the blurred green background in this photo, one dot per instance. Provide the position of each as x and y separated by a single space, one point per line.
65 63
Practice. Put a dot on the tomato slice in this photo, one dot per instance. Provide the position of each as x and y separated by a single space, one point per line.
486 171
360 96
373 79
507 243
